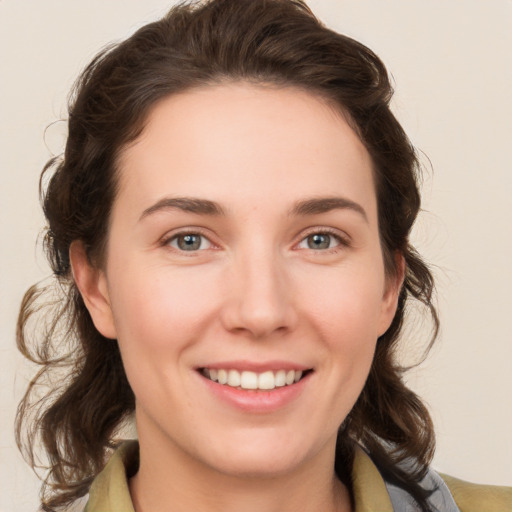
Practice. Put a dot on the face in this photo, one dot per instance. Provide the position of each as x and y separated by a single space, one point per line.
244 277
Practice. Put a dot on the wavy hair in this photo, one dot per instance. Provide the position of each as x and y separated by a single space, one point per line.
80 398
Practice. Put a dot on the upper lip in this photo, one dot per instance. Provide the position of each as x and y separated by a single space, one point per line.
253 366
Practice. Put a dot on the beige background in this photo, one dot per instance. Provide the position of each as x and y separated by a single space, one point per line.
452 65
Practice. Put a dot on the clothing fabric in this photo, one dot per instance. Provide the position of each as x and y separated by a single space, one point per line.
110 492
440 499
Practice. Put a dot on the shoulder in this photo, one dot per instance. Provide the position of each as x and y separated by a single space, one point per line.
446 493
109 491
471 497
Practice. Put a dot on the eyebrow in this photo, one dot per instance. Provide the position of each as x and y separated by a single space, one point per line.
320 205
186 204
314 206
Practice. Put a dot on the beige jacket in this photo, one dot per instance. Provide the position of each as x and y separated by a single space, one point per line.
109 491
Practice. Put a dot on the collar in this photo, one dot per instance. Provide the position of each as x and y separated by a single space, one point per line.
110 492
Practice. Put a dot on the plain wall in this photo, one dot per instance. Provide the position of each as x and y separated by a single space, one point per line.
451 63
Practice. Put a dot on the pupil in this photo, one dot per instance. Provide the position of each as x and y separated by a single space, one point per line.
189 242
319 241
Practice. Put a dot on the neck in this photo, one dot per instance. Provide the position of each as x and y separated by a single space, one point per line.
171 478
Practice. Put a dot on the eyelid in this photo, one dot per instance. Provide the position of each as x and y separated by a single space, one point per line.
341 236
188 230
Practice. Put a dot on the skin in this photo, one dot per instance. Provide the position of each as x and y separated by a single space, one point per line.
258 289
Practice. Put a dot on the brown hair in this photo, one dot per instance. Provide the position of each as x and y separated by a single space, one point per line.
264 41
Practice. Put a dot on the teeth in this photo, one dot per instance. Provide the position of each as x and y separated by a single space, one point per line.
222 376
280 378
233 378
252 380
266 380
249 380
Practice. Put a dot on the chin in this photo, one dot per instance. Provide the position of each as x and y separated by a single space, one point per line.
260 457
258 467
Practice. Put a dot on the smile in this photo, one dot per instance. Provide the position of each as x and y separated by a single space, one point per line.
252 380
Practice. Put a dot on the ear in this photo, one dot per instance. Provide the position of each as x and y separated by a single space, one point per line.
92 284
391 293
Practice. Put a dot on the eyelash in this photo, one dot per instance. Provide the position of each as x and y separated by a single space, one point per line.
342 241
166 241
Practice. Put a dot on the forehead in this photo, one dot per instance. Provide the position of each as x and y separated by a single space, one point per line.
242 141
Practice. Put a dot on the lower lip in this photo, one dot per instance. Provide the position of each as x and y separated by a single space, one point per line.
257 401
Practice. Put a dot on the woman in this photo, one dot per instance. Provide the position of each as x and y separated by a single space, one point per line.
229 224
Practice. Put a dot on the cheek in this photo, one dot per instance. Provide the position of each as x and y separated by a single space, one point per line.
345 313
345 301
160 315
152 304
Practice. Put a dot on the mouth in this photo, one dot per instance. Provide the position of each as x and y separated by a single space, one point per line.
254 381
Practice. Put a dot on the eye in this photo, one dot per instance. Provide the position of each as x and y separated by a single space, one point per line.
189 242
320 241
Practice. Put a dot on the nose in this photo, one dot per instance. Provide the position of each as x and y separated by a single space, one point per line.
260 297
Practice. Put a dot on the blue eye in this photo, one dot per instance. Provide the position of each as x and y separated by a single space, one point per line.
320 241
190 242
